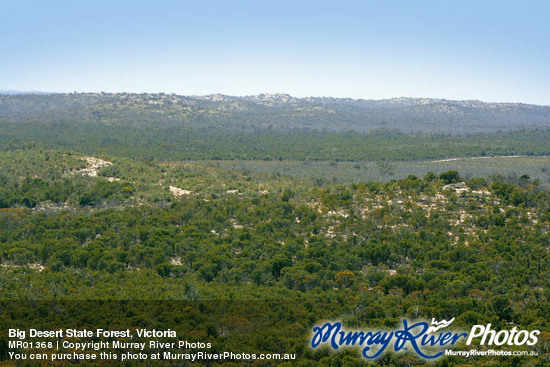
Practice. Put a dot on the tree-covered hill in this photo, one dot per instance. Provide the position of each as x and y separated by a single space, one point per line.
276 112
271 127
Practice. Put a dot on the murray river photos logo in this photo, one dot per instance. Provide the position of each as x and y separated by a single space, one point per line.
427 340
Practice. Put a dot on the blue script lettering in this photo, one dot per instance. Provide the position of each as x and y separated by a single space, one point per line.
413 334
321 335
405 335
377 339
338 338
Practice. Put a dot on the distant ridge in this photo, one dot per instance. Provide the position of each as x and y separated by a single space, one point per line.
275 112
282 98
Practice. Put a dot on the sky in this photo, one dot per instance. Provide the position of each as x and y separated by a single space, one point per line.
495 51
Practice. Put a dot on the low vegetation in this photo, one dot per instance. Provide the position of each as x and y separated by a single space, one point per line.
434 246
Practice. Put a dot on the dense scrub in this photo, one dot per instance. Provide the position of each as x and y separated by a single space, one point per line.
371 252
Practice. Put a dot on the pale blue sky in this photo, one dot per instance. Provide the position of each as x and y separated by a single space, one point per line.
488 50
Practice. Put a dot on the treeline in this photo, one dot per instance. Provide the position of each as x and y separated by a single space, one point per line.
30 192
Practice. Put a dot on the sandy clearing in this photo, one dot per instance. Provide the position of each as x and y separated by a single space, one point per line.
176 191
94 164
466 158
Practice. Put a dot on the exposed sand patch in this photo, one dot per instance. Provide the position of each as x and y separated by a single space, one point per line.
466 158
458 187
94 164
176 261
176 191
35 266
235 224
339 213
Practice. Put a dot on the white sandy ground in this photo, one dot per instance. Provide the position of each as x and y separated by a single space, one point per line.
176 191
34 266
465 158
94 164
